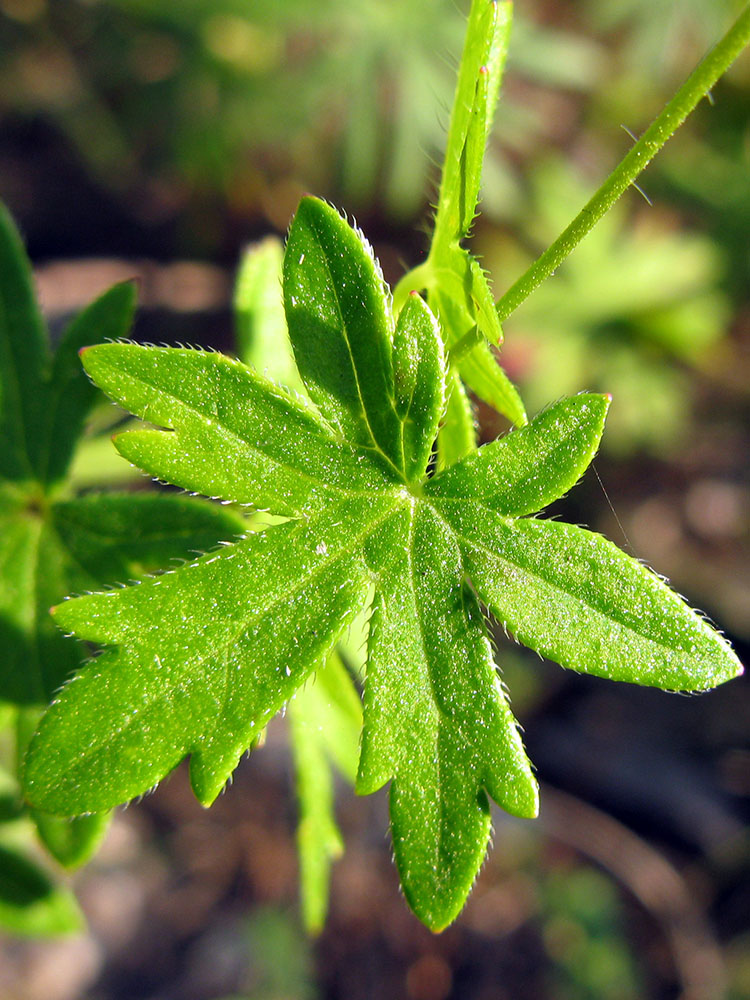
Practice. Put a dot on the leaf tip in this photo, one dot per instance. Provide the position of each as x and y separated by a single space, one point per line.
739 669
438 929
531 804
437 919
309 199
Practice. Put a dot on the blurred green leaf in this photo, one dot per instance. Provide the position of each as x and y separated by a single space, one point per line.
458 435
30 903
260 323
71 841
664 36
71 393
585 938
325 724
282 964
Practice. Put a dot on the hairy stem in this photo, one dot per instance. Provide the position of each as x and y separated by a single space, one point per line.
698 84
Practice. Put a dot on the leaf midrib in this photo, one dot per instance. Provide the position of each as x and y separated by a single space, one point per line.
519 483
473 543
334 288
441 717
234 437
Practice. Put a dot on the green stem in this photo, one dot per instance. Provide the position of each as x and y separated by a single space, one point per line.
698 84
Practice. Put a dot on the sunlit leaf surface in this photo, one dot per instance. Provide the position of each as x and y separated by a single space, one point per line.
197 661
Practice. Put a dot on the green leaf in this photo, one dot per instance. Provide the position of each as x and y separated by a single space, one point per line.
71 393
24 361
325 724
482 373
206 655
319 840
458 288
479 78
235 435
436 720
466 297
72 841
462 297
575 597
197 660
340 327
532 466
29 901
49 547
338 714
35 657
83 544
260 322
43 400
458 435
418 376
112 538
18 542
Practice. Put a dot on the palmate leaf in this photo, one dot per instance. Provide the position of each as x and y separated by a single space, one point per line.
198 660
